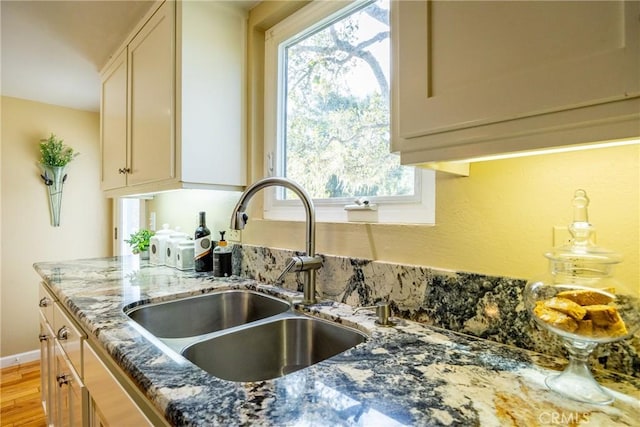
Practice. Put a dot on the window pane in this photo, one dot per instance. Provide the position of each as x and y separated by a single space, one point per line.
336 125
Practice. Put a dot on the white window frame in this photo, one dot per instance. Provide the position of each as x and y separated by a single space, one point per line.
416 209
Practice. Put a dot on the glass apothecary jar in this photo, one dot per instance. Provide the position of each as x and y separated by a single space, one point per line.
580 300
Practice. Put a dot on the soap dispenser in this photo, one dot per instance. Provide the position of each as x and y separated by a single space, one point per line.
222 258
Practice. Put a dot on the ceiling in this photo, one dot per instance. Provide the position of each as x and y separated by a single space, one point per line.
53 51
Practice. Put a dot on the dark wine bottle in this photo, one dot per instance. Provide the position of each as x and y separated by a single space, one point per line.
203 255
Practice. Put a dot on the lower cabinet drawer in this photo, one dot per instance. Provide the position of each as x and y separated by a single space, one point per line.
69 336
46 302
112 403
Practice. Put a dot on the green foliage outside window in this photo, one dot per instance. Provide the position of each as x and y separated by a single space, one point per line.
338 113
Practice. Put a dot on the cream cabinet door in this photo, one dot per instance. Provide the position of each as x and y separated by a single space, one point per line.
468 73
113 406
151 91
72 399
47 355
47 372
113 125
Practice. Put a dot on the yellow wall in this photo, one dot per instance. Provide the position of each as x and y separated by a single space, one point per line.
498 221
27 235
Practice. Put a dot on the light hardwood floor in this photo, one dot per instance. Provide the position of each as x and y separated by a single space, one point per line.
20 396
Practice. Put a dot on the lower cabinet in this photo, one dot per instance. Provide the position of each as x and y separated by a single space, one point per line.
64 396
70 393
110 402
78 388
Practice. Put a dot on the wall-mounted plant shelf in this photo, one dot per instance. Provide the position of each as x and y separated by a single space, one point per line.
54 178
53 163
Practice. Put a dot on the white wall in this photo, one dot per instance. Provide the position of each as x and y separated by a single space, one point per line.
27 235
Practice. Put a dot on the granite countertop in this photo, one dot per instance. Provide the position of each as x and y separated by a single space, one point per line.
408 374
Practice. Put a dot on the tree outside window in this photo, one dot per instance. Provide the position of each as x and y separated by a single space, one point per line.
337 121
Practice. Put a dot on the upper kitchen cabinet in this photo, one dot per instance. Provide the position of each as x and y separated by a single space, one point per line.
151 67
113 123
173 102
480 78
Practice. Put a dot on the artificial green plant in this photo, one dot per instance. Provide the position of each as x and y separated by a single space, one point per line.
54 152
139 241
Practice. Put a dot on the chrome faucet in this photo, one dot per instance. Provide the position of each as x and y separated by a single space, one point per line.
309 263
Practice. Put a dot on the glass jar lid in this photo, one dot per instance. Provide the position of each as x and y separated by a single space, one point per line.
581 254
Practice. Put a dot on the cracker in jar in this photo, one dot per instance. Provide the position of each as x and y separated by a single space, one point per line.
587 296
585 327
617 329
566 306
555 318
602 315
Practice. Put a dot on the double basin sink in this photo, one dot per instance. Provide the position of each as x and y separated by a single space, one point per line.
242 335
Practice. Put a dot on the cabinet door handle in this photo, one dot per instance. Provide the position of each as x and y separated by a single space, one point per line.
44 302
124 170
62 379
43 337
63 333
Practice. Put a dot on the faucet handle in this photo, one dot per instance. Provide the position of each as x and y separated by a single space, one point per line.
288 268
240 221
301 263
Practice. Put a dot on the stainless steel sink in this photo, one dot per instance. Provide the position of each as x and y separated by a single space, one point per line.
203 314
272 348
242 335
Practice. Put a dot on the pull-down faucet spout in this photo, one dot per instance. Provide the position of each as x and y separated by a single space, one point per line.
307 264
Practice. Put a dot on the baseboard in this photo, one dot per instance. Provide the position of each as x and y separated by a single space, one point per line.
17 359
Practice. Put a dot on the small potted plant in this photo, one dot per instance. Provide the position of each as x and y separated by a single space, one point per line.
55 156
139 242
